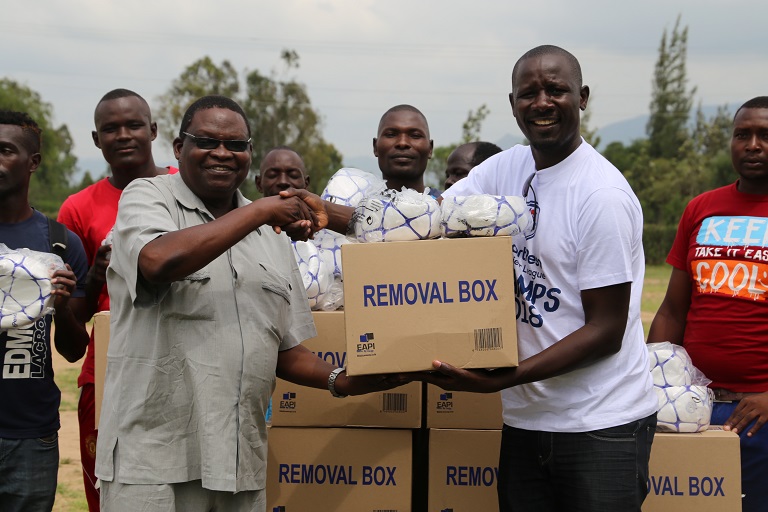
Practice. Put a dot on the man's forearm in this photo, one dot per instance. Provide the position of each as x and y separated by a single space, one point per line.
70 335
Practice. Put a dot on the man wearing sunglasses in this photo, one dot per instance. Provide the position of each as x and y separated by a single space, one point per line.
208 307
124 132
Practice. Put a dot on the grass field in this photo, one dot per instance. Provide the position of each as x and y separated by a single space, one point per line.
70 496
654 288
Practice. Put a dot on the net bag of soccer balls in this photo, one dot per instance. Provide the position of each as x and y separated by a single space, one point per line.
397 216
319 259
685 401
316 273
484 215
25 286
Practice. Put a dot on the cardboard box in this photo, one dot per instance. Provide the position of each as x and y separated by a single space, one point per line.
688 472
294 405
340 470
100 346
462 410
409 303
695 472
463 470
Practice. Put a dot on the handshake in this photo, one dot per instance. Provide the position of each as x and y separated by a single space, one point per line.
300 213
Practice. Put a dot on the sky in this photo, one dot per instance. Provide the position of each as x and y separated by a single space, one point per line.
360 57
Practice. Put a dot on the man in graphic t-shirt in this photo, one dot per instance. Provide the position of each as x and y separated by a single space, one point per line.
716 302
29 397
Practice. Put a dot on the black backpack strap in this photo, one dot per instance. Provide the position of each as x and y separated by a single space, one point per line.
58 234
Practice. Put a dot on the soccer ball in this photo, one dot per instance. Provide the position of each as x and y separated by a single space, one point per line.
317 277
25 286
348 186
329 243
670 367
484 215
397 216
683 408
685 402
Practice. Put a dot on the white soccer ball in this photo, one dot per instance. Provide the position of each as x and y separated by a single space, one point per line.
484 215
683 408
25 286
670 367
329 242
348 186
397 216
315 274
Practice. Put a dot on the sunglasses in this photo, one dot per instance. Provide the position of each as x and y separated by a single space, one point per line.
236 146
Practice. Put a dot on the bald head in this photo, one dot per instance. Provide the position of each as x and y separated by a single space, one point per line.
548 49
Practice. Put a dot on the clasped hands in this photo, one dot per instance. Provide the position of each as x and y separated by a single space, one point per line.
297 212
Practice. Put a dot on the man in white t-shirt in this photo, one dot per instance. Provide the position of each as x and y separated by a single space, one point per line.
579 411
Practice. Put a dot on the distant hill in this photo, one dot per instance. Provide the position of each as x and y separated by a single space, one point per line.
632 129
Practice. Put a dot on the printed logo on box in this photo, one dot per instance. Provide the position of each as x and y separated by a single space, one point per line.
366 345
663 485
445 403
447 510
471 476
408 294
334 357
288 402
279 508
336 474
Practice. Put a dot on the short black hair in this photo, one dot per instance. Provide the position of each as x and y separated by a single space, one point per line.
548 49
401 108
483 150
32 133
212 101
116 94
756 102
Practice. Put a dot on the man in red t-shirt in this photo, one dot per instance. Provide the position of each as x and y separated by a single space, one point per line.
124 133
717 301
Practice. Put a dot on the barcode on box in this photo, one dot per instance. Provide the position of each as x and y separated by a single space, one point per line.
488 339
394 402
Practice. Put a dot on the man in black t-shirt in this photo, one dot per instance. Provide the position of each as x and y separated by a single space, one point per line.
29 397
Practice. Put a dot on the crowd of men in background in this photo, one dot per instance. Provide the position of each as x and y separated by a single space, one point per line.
185 426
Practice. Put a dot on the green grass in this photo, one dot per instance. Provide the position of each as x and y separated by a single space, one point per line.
69 499
66 379
654 288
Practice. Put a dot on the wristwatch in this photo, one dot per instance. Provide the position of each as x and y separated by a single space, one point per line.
332 382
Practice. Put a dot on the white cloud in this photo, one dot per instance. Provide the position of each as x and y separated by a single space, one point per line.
359 58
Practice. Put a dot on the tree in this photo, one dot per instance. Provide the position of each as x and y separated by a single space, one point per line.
201 78
470 132
281 114
670 101
589 134
278 108
50 184
470 129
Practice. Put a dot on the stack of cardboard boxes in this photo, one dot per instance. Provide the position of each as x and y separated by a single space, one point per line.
418 447
349 454
407 303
